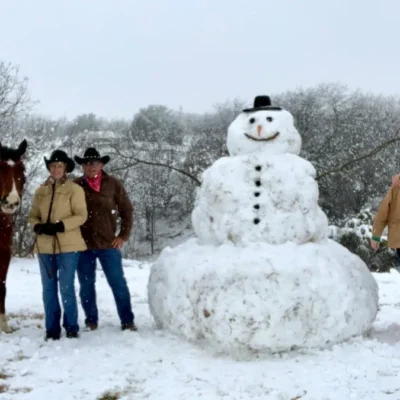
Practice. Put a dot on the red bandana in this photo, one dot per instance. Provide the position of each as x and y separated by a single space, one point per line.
95 182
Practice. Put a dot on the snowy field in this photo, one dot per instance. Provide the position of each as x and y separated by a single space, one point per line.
109 364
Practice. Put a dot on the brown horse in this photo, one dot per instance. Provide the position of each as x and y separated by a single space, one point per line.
12 181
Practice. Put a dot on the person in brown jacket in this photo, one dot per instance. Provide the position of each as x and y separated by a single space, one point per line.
388 215
106 198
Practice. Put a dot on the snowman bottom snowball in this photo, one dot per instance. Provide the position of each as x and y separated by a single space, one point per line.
262 298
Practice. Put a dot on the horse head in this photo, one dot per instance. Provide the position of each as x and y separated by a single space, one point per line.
12 177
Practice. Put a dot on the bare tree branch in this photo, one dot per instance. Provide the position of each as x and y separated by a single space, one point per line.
14 98
350 163
125 167
181 171
157 164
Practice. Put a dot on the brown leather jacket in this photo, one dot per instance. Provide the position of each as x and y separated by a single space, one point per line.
389 215
103 207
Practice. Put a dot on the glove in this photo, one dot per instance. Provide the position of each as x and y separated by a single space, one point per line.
52 229
38 228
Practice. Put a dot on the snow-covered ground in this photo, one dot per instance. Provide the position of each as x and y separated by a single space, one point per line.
152 364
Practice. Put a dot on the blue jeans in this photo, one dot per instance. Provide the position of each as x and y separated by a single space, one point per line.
54 269
111 262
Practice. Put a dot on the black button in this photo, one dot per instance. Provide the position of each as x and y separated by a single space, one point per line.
257 206
256 221
258 183
258 168
256 194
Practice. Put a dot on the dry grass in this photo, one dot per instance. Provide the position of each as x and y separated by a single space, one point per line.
300 396
25 317
6 389
3 388
12 330
110 396
3 375
19 356
22 317
22 390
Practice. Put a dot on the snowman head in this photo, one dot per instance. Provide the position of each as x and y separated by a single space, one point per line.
263 128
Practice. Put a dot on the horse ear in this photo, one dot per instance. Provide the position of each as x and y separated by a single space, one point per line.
22 147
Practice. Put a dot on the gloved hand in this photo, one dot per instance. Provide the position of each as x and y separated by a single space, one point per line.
38 228
51 229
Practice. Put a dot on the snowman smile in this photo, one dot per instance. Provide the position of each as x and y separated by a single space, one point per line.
262 139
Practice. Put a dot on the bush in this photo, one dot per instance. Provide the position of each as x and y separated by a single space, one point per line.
355 236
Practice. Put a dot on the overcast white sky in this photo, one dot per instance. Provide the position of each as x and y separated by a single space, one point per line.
112 57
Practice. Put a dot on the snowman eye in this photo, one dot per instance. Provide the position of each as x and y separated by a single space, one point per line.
269 119
252 120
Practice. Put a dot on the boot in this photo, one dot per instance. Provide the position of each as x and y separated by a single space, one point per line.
51 336
129 327
3 324
91 326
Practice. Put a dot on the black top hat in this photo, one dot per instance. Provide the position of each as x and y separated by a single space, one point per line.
91 154
60 156
262 103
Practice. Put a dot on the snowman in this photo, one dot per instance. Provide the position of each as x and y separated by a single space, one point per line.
261 275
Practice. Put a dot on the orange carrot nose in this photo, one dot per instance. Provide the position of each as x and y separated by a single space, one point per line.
259 129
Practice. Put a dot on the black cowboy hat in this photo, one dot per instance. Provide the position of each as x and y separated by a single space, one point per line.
91 154
60 156
262 103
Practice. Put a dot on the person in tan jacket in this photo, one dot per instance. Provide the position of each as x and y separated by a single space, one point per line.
388 215
57 213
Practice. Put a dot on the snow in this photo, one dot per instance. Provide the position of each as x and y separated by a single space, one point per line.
263 131
262 297
153 364
277 191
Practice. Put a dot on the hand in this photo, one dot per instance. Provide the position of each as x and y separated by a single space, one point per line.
52 229
48 229
374 245
396 180
118 243
38 228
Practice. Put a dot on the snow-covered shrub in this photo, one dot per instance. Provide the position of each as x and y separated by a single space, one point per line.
355 235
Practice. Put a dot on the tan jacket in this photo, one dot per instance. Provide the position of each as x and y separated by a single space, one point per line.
69 206
389 215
